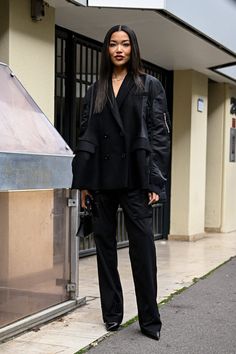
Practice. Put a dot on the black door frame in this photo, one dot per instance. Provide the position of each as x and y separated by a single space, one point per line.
76 68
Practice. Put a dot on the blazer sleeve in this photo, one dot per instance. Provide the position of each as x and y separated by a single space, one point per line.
84 120
87 101
159 137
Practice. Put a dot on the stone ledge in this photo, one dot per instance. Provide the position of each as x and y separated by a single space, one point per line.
214 230
195 237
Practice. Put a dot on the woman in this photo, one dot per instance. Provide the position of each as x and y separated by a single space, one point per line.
122 159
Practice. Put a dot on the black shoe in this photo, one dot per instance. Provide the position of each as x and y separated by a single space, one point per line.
154 335
112 326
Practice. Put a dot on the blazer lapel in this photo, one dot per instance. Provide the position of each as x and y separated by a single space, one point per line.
114 108
125 89
116 102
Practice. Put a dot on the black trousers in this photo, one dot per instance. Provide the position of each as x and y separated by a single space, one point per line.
138 221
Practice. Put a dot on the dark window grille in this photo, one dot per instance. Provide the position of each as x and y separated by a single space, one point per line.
77 67
60 84
87 62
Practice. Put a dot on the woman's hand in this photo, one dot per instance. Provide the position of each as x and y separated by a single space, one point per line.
83 194
153 198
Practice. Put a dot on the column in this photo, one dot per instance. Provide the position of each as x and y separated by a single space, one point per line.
188 155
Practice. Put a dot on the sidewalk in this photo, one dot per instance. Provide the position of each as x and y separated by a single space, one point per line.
200 320
178 264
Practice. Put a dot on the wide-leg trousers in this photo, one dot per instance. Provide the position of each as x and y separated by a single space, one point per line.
138 221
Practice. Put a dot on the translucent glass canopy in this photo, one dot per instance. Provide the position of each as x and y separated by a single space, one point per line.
24 128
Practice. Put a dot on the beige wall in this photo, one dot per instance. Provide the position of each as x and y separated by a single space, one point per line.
215 157
4 31
188 156
181 153
221 174
229 171
198 155
28 48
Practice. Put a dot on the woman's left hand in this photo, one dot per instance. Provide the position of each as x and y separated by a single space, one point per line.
153 197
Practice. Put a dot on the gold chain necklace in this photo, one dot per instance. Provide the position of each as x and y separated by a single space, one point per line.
118 78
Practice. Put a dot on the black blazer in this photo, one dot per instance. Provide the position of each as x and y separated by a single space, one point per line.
127 145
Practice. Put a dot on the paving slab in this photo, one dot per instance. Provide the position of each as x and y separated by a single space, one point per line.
178 263
199 320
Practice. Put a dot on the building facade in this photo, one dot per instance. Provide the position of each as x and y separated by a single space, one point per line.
54 48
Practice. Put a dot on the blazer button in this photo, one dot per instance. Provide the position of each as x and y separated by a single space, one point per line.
107 157
105 136
123 156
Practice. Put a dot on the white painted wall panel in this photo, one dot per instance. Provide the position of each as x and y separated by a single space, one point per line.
134 4
80 2
214 18
229 71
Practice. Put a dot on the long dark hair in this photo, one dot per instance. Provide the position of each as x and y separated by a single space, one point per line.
106 67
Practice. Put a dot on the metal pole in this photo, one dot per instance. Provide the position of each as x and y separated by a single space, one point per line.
73 203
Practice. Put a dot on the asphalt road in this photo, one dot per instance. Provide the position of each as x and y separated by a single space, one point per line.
200 320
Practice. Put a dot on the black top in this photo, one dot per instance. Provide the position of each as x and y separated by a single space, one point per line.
127 144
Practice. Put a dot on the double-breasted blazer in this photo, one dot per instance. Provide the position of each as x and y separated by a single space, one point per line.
127 145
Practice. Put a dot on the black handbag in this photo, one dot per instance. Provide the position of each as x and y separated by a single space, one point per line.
86 222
